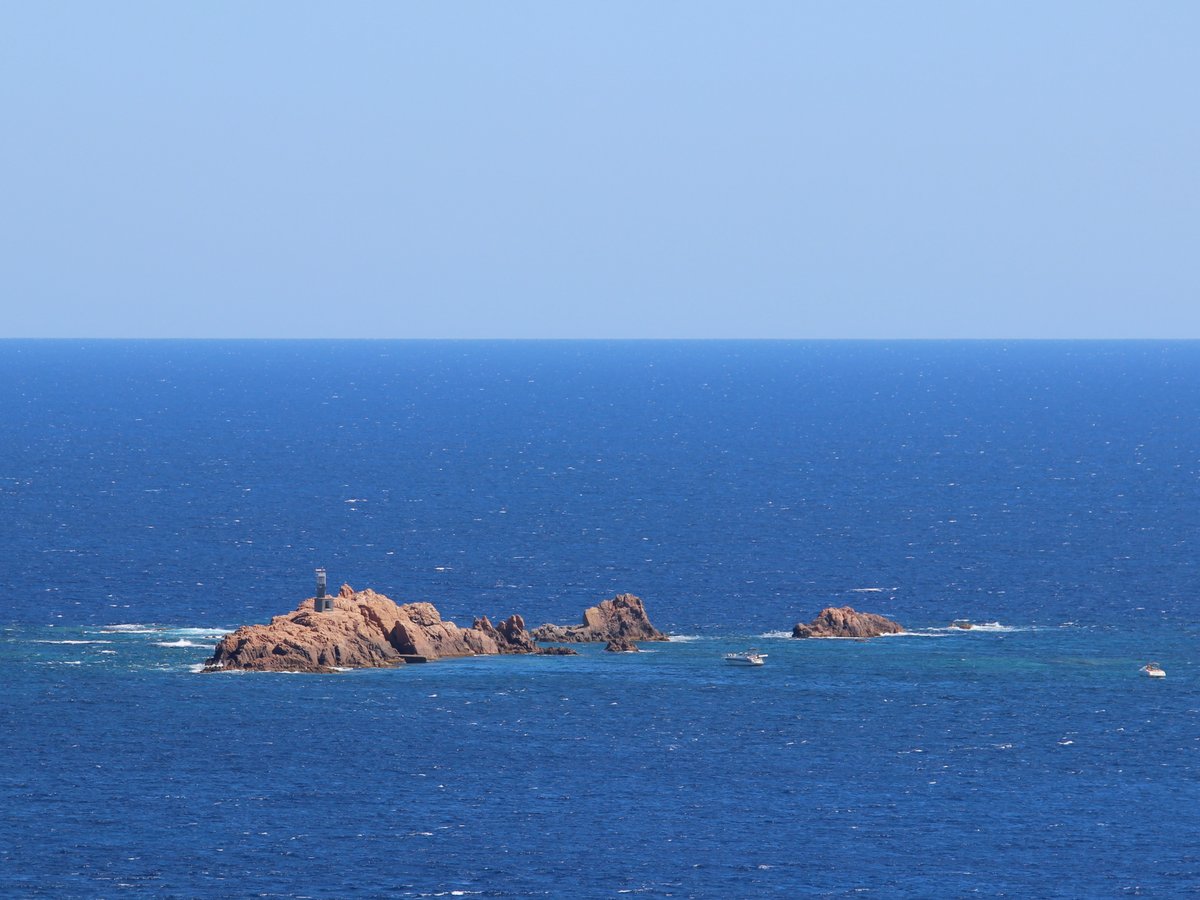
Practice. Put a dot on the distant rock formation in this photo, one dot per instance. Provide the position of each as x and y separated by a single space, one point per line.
621 645
510 635
846 622
623 618
557 651
363 630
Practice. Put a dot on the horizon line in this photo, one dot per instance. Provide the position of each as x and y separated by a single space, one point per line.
697 340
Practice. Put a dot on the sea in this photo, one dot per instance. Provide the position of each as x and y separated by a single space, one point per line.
155 495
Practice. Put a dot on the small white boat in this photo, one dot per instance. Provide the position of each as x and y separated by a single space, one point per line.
745 658
1153 670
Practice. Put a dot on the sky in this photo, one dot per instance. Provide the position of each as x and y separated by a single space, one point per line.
600 170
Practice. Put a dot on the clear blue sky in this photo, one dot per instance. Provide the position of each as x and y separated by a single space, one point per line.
563 169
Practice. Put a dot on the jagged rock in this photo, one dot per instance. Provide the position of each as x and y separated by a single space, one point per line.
621 618
621 645
555 633
363 630
510 635
846 622
557 651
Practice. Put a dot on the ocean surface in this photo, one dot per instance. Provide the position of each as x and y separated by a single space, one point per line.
154 495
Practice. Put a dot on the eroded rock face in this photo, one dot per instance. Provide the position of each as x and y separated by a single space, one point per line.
845 621
621 618
363 630
510 635
621 645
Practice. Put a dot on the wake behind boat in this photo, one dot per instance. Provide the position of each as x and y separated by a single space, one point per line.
745 658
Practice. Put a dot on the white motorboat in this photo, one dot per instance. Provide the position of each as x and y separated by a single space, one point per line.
745 658
1153 670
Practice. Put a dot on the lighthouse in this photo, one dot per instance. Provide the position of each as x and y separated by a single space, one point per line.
321 603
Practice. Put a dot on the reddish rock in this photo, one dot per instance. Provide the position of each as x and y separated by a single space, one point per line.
621 618
846 622
510 635
621 645
363 630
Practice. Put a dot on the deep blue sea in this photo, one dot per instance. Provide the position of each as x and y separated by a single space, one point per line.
154 495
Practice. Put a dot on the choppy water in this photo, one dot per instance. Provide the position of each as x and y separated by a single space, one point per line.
154 494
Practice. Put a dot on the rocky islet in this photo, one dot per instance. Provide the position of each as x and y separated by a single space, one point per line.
846 622
621 619
364 629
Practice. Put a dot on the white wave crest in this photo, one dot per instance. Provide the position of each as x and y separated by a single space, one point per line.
982 627
198 632
182 631
776 634
227 670
72 642
179 643
932 633
839 637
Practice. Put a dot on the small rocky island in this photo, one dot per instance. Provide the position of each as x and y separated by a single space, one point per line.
618 622
846 622
363 629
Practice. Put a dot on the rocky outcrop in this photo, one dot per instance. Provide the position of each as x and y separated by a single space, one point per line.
621 618
846 622
510 635
557 651
621 645
362 630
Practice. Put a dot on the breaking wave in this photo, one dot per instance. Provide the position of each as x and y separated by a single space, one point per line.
182 631
983 627
929 633
199 632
